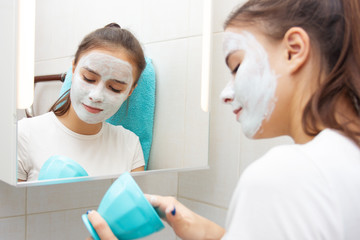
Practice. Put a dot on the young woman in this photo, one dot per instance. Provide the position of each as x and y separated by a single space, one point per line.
296 72
106 68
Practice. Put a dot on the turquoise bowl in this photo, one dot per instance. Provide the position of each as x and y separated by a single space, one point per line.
127 211
61 167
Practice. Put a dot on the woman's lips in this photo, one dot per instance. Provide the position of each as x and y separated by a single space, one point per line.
92 109
237 112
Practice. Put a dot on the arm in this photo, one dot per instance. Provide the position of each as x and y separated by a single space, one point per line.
186 224
138 163
138 169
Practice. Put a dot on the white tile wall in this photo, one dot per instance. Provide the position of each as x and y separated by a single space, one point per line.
221 12
166 234
55 225
195 17
170 102
49 17
178 117
53 66
12 228
65 196
65 22
169 19
12 201
196 121
155 183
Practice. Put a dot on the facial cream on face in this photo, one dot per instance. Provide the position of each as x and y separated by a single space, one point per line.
253 89
94 102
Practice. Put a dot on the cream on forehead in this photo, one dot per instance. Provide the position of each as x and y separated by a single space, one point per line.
254 84
234 41
107 66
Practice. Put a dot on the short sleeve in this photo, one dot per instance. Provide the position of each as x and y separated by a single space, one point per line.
22 147
138 160
283 196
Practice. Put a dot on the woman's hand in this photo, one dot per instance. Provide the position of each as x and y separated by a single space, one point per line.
186 224
100 226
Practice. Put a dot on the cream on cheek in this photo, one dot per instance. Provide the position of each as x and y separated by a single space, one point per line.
95 102
254 84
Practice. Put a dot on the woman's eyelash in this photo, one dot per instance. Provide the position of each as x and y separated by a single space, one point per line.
88 80
235 69
115 90
92 81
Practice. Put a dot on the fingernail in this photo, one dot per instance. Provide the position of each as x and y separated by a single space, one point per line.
88 211
153 200
173 212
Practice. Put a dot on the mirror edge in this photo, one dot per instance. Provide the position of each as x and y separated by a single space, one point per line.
106 177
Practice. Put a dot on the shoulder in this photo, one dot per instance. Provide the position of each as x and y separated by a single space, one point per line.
292 186
119 132
286 194
36 120
330 145
279 158
35 123
282 167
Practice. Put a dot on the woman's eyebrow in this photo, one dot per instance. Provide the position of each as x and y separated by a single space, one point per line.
112 79
118 81
92 71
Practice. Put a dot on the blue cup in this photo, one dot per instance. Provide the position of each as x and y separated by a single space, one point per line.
61 167
127 211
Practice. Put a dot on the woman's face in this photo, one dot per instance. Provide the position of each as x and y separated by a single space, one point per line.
102 81
254 91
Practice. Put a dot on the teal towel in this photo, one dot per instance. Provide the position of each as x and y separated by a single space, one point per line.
137 112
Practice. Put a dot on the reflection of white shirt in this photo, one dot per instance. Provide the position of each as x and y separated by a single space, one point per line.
111 151
309 191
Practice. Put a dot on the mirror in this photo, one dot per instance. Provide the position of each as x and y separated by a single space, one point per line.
171 34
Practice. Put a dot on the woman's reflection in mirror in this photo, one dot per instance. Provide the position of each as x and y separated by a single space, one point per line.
106 68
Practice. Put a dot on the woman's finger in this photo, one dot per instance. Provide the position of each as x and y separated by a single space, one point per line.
100 226
153 199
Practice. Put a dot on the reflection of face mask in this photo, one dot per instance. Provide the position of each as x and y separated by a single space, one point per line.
253 88
95 102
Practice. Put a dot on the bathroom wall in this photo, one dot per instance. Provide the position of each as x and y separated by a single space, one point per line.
53 212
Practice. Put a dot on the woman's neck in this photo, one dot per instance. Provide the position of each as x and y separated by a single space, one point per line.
71 120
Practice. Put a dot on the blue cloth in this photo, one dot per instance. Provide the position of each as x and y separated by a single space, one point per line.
137 112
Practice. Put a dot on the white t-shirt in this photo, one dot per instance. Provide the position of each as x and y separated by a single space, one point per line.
112 151
309 191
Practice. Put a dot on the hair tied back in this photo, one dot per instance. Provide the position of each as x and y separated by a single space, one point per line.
113 25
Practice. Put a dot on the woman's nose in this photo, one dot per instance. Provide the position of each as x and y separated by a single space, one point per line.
97 94
227 94
228 100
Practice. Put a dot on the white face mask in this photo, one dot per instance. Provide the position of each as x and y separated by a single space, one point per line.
253 89
96 101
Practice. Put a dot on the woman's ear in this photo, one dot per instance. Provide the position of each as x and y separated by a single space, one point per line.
73 66
131 90
297 43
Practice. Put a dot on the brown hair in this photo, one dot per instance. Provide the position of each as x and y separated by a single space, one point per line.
332 26
110 36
